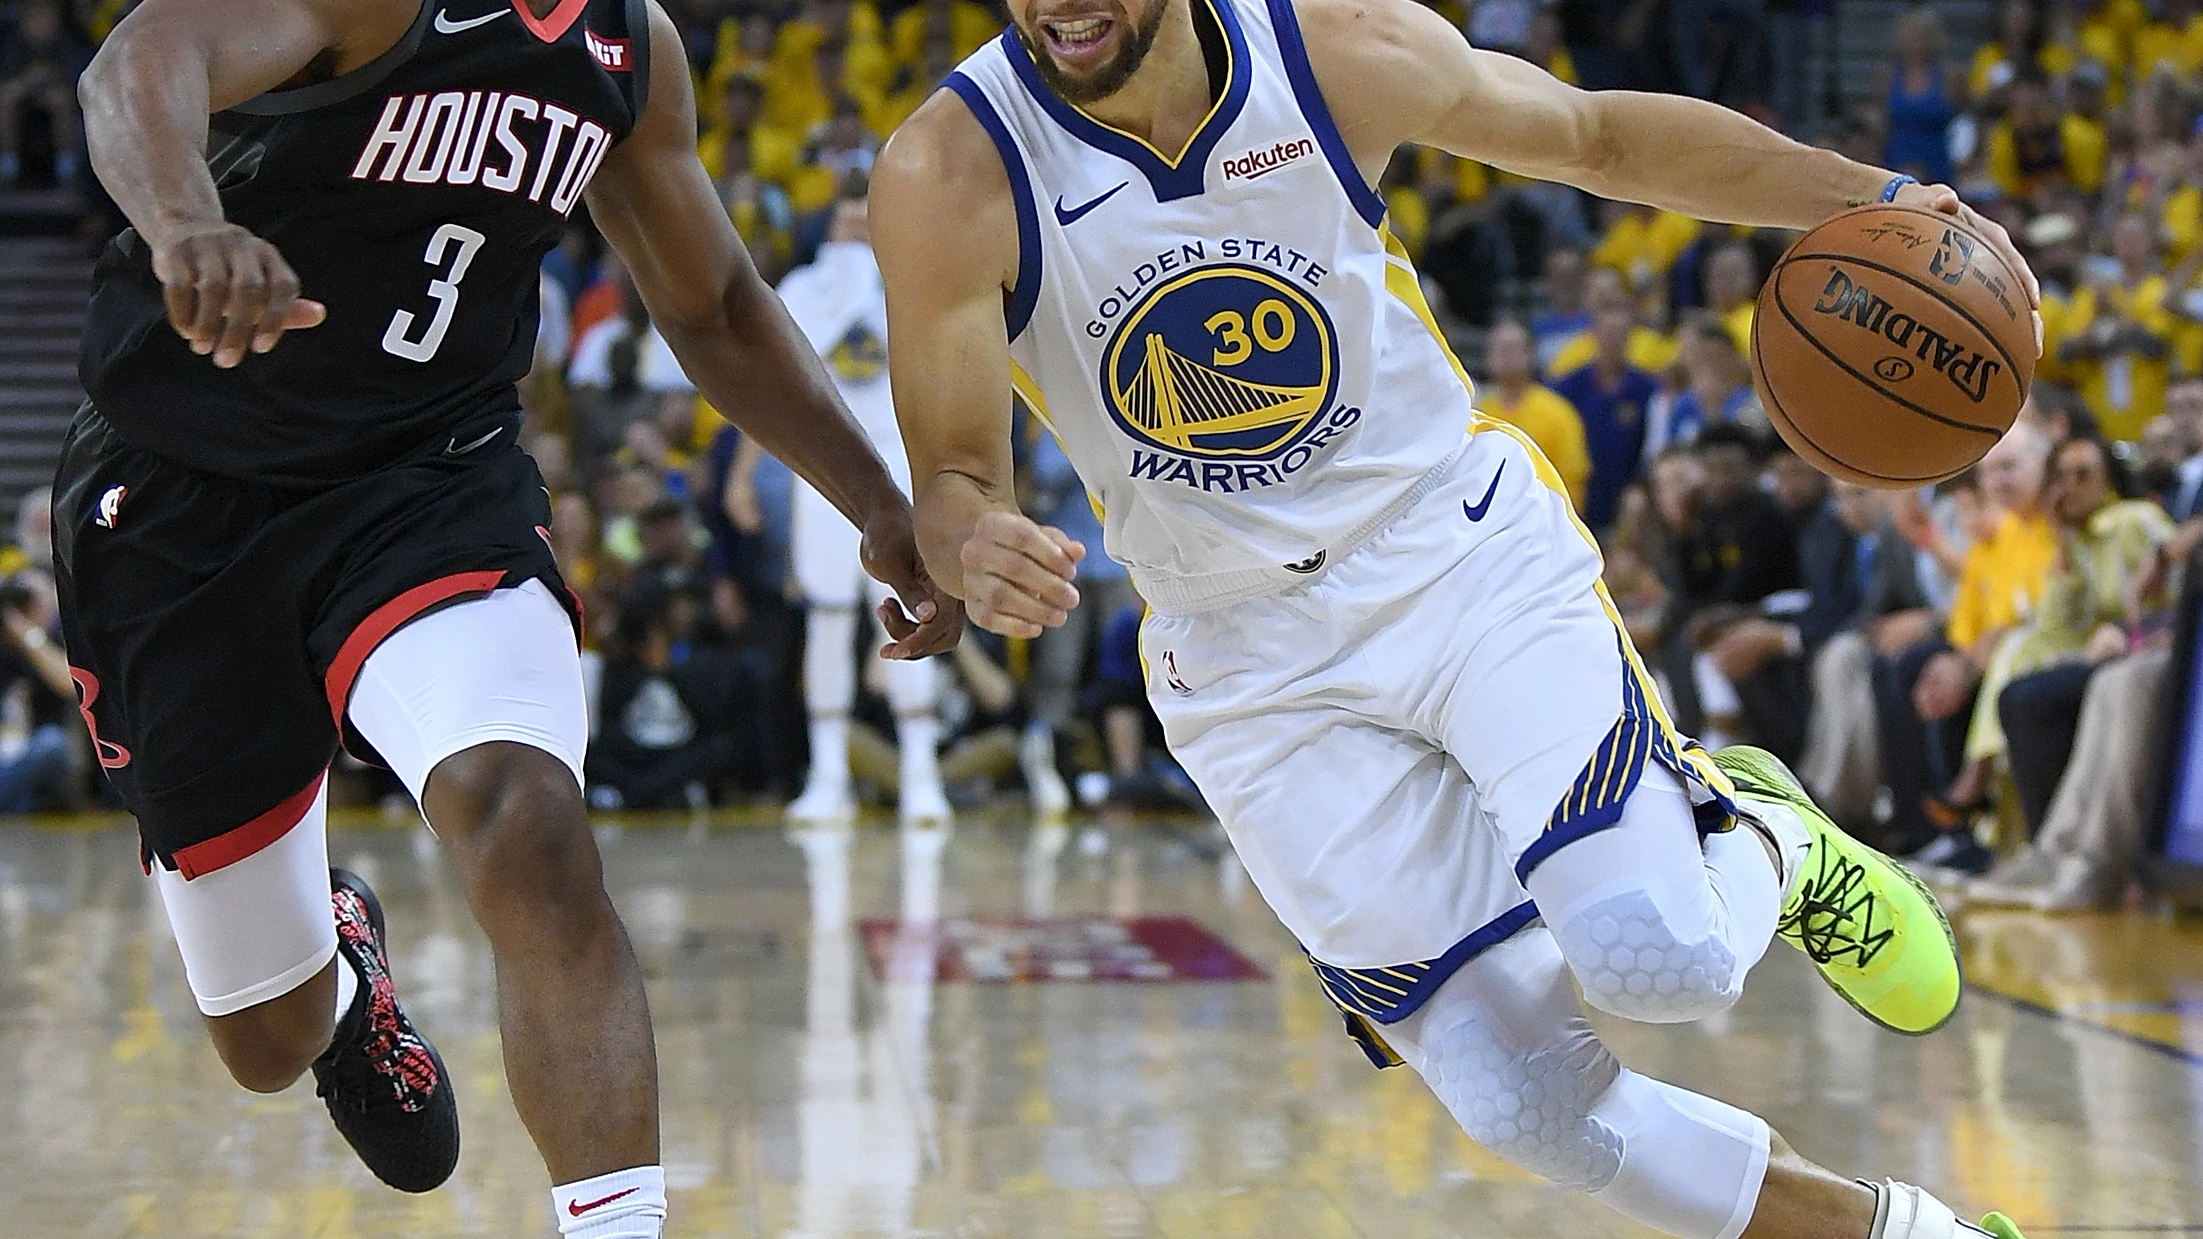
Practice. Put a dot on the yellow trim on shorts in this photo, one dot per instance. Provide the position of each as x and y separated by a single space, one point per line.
1402 282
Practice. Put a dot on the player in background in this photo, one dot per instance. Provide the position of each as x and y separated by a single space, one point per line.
839 304
295 511
1378 639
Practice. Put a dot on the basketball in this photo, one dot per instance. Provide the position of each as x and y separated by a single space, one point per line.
1893 346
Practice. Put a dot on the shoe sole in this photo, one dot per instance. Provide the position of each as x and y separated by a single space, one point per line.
1767 775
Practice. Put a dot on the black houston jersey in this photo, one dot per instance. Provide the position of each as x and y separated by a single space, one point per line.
416 198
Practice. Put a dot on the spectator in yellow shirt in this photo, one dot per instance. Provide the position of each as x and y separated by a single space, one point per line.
965 25
1649 350
1926 695
1515 396
2036 147
1642 243
772 152
918 83
2115 334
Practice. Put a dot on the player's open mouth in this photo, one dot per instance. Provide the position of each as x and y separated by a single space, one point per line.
1077 40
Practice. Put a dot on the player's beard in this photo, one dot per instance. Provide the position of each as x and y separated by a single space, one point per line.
1109 78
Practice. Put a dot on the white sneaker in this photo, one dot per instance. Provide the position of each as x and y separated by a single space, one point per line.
824 804
2016 883
2080 885
1036 756
925 804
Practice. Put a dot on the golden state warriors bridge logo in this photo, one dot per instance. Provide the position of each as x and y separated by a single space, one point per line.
1228 373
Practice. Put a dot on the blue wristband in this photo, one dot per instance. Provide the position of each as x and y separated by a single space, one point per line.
1897 182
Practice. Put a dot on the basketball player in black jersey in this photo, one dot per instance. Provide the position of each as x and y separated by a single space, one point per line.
294 514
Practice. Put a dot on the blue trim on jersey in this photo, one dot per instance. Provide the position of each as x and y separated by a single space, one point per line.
1017 307
1317 113
1172 179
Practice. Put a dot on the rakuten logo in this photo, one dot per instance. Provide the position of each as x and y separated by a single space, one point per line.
1260 163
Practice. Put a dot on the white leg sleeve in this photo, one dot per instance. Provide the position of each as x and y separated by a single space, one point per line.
258 928
500 667
1657 926
829 669
1505 1047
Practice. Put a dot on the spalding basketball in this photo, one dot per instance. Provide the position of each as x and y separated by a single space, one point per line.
1893 346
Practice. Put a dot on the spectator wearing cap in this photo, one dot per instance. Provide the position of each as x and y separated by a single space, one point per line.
1516 397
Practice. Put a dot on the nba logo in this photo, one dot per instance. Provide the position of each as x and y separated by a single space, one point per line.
110 507
1177 682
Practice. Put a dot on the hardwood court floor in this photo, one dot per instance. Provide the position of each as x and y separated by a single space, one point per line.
807 1097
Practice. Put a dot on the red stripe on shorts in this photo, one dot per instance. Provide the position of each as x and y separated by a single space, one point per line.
388 618
235 845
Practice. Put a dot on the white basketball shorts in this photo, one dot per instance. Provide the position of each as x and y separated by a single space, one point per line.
1396 744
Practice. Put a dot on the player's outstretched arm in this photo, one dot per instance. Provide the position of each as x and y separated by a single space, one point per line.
1394 71
945 231
738 345
146 97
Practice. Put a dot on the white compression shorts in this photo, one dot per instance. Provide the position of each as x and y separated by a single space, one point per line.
502 667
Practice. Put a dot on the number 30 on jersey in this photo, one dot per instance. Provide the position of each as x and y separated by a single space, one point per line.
444 289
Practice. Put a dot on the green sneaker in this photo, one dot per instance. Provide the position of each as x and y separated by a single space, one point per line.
2001 1226
1873 930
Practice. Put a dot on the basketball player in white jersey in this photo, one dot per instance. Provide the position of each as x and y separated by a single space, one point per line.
838 303
1378 641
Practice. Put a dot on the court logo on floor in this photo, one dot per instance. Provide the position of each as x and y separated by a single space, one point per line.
1139 949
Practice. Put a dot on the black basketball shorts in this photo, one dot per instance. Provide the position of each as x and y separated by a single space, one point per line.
215 625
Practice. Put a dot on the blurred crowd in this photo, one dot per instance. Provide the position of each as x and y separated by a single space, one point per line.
1963 673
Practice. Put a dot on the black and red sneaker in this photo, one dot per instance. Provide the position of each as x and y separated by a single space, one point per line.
384 1084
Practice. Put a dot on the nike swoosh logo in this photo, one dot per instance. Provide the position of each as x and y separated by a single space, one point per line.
1475 511
577 1208
453 448
1077 213
444 24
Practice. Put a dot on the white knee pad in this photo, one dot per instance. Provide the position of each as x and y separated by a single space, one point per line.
1625 952
1505 1046
1691 1166
1532 1106
1659 926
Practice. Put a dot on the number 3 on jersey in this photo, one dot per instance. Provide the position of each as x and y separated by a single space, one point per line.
445 290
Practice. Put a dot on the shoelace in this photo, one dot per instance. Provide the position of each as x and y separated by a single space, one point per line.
1835 914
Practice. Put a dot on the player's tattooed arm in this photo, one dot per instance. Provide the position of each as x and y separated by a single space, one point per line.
945 230
164 70
1394 71
738 345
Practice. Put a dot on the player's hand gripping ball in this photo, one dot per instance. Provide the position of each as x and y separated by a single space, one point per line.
1893 345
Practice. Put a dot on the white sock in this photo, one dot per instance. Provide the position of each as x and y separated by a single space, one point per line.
626 1204
1902 1211
348 985
830 751
829 689
919 737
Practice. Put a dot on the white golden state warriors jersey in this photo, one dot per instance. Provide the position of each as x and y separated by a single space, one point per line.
1246 379
839 303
